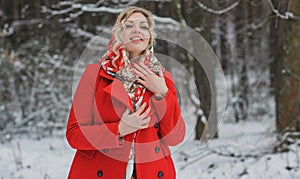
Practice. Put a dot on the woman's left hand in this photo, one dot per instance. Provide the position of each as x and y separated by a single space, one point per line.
153 82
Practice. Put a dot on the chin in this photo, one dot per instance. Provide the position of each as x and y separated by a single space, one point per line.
140 50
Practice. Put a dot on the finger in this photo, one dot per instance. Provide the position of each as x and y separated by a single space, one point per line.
146 68
140 69
126 112
146 113
144 126
140 74
146 122
141 81
141 109
161 73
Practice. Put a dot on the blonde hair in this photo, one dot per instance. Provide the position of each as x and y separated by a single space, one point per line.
119 26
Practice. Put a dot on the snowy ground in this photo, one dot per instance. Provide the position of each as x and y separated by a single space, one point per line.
243 150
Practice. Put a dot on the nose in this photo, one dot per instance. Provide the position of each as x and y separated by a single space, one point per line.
136 29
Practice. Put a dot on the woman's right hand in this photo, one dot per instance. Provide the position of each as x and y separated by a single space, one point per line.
130 123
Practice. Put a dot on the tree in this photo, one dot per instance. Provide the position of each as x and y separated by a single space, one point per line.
285 47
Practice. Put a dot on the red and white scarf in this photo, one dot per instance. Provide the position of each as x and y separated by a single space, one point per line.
123 69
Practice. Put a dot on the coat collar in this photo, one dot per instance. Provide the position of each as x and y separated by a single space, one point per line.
102 73
116 89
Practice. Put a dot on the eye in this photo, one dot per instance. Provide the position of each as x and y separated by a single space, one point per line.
128 26
144 27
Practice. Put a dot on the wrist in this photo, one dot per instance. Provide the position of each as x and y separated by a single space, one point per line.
159 96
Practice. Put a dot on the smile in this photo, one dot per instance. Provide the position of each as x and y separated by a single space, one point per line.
136 39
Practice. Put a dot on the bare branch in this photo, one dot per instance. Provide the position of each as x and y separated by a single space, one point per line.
254 4
218 12
286 15
31 117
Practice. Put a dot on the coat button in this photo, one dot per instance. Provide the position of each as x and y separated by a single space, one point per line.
160 174
105 150
156 125
100 173
157 149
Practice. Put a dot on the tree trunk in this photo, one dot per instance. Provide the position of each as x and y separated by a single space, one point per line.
285 47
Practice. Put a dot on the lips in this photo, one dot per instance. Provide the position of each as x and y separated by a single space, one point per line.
136 38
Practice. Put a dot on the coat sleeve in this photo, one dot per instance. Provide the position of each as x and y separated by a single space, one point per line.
82 133
171 124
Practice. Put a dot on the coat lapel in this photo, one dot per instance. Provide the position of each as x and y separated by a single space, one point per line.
116 89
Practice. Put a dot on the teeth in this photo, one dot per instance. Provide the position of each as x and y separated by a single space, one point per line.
136 38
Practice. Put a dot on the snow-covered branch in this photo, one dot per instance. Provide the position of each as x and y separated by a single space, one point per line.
218 12
32 116
8 30
286 15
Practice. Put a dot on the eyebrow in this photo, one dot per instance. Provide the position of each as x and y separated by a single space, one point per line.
133 21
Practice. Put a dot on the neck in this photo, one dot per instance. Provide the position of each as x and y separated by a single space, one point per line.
133 55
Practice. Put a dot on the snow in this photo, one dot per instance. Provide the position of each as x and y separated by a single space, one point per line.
45 158
87 8
64 11
243 150
64 3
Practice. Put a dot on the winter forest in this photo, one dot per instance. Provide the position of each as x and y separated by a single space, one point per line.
235 64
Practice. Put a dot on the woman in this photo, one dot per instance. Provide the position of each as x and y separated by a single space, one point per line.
125 111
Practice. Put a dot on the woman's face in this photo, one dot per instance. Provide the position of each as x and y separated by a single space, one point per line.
136 35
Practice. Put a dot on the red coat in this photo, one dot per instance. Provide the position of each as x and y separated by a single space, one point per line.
92 129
